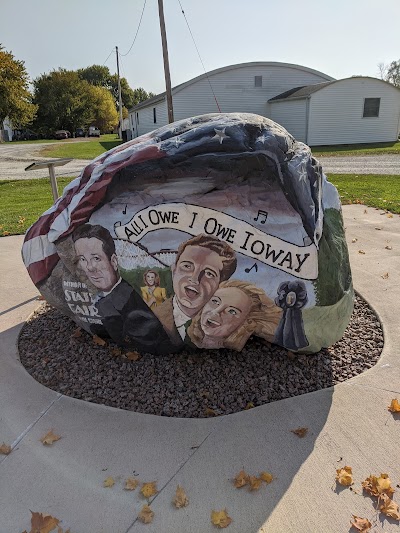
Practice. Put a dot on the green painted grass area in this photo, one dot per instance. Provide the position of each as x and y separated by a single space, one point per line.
380 191
23 201
357 149
88 149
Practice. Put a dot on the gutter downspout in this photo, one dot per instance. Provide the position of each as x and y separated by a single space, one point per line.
307 116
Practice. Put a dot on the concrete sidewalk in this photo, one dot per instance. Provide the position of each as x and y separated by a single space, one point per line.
349 424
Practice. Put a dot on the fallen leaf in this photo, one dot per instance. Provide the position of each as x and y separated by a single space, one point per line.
375 486
43 523
300 432
249 405
344 476
389 215
149 489
354 240
241 479
50 437
220 518
77 333
210 412
133 356
131 483
41 298
388 507
361 252
267 477
361 524
4 449
109 482
378 228
180 500
388 248
5 233
116 352
98 340
365 211
254 482
394 406
385 276
146 515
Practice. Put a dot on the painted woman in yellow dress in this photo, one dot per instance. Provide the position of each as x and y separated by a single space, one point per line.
152 293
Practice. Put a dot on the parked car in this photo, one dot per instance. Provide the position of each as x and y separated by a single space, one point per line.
24 135
93 131
62 134
80 132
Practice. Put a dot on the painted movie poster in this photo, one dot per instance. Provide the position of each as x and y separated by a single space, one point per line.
201 235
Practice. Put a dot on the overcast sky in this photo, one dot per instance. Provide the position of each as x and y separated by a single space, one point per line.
338 37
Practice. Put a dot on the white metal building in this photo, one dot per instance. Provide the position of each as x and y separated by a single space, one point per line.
314 107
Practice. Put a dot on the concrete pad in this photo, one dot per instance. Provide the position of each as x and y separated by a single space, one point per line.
348 425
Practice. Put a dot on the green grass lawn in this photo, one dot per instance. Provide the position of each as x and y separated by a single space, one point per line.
87 149
23 201
357 149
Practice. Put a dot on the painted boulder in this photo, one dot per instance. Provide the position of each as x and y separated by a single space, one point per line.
199 234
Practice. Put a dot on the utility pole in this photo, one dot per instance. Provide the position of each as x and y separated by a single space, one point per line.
166 63
119 96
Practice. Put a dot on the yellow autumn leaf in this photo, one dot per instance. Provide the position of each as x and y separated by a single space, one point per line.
394 406
109 482
241 479
131 483
149 489
43 523
254 483
375 486
98 340
181 499
249 405
210 412
4 449
300 432
267 477
133 356
361 524
146 515
344 476
220 519
388 507
49 438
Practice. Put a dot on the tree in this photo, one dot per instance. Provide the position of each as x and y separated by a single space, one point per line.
390 73
105 116
393 73
15 98
64 101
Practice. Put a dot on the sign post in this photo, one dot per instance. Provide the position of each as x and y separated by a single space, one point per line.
50 165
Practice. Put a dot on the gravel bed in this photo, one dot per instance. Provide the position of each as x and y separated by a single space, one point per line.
197 385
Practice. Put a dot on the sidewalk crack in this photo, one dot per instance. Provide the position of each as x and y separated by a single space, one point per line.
173 476
22 435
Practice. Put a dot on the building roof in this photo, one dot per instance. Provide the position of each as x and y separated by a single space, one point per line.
306 90
160 97
301 92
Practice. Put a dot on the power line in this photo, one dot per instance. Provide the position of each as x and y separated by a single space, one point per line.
137 31
198 53
108 57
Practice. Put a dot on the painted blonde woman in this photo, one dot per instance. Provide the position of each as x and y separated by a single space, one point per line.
152 293
236 311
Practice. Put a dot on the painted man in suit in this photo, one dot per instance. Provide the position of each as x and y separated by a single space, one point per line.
125 316
201 264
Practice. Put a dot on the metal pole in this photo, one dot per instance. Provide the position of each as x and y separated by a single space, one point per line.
166 63
119 96
53 182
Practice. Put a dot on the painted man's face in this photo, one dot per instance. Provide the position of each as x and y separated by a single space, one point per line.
98 267
150 278
196 277
225 312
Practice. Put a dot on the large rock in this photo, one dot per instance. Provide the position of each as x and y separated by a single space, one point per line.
201 233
